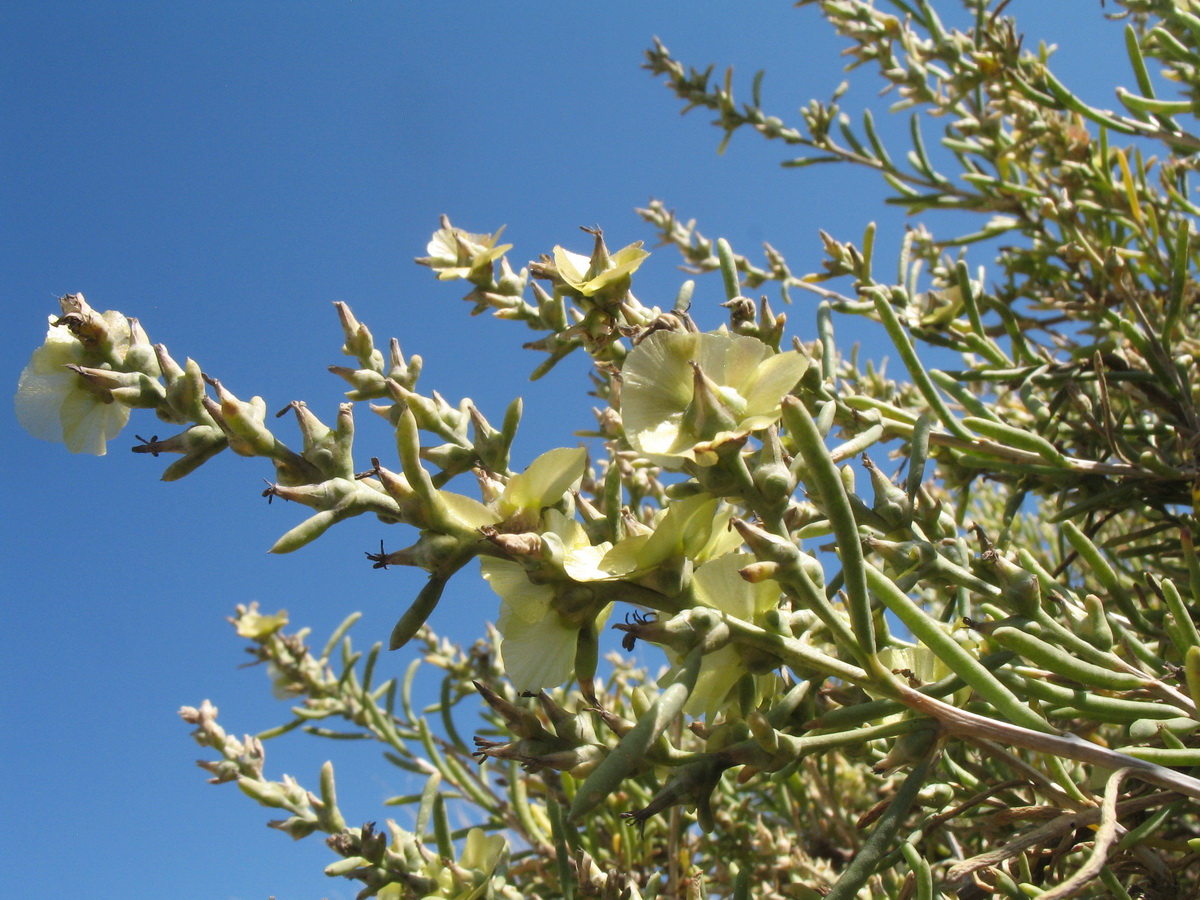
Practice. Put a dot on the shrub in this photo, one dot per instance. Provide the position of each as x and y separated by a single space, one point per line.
925 636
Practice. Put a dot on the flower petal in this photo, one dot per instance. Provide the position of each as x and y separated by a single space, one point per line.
572 267
719 672
771 382
39 401
626 262
546 480
88 422
482 851
527 601
659 383
469 511
717 584
656 389
537 654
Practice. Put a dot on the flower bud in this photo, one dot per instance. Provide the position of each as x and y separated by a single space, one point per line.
243 422
405 373
295 827
551 308
135 390
764 733
366 384
106 335
766 546
522 722
908 750
760 571
198 444
567 725
431 552
185 388
904 555
268 793
451 459
527 545
891 503
772 475
1022 590
359 342
141 356
347 867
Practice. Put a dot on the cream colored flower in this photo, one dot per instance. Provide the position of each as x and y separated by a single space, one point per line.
545 482
454 253
580 274
718 585
254 625
684 394
696 528
56 404
540 622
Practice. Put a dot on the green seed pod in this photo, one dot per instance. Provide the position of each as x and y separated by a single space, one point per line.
1191 671
1175 757
1181 615
729 272
825 416
1098 563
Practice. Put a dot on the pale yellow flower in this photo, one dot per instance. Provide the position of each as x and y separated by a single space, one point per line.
684 394
540 622
579 274
254 625
454 253
544 483
56 404
717 584
696 528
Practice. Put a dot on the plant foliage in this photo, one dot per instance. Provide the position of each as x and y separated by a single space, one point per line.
927 637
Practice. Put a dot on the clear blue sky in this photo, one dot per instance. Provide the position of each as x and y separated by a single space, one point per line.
224 171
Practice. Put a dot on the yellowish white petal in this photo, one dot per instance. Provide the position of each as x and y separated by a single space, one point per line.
522 598
53 404
546 480
536 654
89 423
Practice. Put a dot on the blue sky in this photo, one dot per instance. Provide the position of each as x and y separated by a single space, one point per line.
224 171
